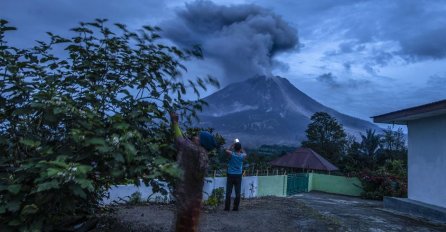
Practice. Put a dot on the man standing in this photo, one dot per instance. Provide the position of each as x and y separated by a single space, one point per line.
192 158
234 175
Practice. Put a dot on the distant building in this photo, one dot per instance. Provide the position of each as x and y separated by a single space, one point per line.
304 159
426 158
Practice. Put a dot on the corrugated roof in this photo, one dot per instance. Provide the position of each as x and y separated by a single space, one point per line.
413 113
304 158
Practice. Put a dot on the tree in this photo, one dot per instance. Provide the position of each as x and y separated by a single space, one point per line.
326 136
370 143
362 155
73 124
393 146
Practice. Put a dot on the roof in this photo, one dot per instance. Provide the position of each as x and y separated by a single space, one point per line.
413 113
304 158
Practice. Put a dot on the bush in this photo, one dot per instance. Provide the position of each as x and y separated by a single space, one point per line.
70 127
135 198
378 184
216 197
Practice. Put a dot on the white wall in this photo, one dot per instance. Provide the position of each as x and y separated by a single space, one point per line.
121 193
427 160
248 189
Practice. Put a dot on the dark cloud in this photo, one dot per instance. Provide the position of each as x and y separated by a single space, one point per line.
418 28
243 39
438 81
34 18
329 79
346 83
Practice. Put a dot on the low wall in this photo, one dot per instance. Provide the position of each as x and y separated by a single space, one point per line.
272 185
350 186
249 186
252 186
122 193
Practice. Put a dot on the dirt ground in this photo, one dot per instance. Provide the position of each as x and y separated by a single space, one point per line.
303 212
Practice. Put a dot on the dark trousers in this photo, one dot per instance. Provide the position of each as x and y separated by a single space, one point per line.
236 181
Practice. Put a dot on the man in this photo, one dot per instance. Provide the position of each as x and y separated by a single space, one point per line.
192 158
234 175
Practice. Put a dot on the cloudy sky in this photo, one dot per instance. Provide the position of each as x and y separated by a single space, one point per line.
362 58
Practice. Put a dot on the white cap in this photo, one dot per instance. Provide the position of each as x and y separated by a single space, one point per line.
237 141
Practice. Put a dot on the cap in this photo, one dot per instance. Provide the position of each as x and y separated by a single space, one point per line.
207 140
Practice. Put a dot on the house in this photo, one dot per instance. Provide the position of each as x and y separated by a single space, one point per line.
304 159
426 159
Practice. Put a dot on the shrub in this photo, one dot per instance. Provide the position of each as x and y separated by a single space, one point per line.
135 198
378 184
216 197
73 124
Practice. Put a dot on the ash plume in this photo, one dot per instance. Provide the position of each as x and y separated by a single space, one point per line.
242 39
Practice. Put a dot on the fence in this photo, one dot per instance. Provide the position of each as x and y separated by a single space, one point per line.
254 186
268 172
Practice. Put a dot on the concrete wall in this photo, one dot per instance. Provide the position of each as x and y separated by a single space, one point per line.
310 182
122 193
427 160
252 186
272 185
249 186
350 186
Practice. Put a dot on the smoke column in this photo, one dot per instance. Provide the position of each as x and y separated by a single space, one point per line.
242 39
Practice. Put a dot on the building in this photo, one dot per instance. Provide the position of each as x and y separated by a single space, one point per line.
426 159
303 159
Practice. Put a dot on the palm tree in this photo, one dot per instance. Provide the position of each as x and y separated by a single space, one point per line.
370 143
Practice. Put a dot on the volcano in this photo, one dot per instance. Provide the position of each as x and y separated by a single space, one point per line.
268 110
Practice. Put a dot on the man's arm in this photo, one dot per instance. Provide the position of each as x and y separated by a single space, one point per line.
175 126
229 150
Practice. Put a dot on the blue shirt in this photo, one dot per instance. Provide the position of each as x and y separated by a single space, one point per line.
236 163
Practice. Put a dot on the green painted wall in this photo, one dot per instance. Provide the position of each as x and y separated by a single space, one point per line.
335 184
310 182
271 185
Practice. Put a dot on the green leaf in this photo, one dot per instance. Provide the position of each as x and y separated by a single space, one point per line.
130 148
85 184
30 142
84 169
3 187
15 222
78 191
47 185
14 205
160 161
2 209
121 126
96 141
14 188
172 171
30 209
119 157
52 171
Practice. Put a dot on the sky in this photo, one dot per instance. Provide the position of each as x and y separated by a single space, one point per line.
360 57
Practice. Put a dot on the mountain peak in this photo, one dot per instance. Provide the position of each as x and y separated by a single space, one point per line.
267 110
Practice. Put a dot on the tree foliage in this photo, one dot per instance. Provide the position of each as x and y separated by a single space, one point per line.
326 136
73 123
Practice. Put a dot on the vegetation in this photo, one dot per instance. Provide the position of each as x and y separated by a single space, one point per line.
326 137
82 113
379 160
216 197
258 159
